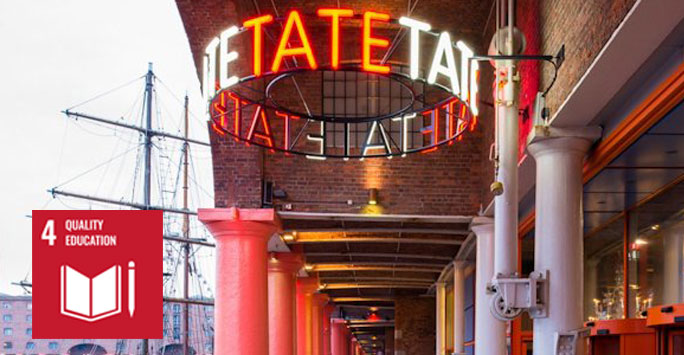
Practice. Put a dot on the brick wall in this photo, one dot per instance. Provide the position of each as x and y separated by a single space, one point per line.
584 27
414 326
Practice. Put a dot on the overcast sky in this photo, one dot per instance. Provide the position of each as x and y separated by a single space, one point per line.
56 54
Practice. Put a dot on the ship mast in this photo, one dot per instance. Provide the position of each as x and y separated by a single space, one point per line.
147 190
186 235
149 133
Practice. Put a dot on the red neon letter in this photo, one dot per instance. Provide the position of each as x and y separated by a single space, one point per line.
220 108
293 19
335 15
257 23
286 117
369 42
237 115
266 134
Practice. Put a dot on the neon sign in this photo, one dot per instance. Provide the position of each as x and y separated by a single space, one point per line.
417 106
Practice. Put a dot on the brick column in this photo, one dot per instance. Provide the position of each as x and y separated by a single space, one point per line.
282 269
241 307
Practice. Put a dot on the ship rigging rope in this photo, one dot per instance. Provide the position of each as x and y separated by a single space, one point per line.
106 93
96 167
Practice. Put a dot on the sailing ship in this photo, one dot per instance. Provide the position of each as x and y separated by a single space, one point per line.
166 182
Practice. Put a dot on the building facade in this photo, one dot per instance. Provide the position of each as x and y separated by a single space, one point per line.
401 250
17 333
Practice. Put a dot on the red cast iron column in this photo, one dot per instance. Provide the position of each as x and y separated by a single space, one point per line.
306 287
241 307
282 269
339 338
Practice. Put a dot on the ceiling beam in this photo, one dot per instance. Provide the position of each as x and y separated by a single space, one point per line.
373 325
381 230
324 279
361 299
337 267
287 215
382 255
347 286
365 306
379 263
328 239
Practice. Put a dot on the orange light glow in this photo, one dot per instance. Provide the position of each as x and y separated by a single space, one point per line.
260 115
257 23
335 15
293 19
369 42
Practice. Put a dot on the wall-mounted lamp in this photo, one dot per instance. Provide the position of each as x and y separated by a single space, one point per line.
290 237
373 196
308 267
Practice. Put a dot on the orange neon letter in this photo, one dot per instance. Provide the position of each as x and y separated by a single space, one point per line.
257 23
293 19
335 15
369 42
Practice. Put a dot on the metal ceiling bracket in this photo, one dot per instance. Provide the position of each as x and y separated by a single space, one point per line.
512 295
566 342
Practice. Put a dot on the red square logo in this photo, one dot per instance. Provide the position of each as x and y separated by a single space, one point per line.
97 274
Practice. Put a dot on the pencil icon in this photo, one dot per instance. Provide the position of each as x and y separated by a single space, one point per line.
131 288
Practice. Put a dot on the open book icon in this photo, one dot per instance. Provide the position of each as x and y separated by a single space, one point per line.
90 299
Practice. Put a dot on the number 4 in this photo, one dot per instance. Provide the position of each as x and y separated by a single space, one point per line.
49 232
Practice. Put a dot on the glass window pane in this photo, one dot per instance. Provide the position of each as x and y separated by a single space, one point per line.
603 271
656 252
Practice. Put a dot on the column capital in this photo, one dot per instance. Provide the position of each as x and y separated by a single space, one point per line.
307 285
544 139
228 222
460 264
481 225
321 298
285 262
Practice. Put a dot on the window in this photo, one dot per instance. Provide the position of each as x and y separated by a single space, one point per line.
53 345
353 94
208 347
29 318
30 345
7 345
29 306
176 320
6 317
29 331
603 271
6 305
176 308
120 347
176 333
7 331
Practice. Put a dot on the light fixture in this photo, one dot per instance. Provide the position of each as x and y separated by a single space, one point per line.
373 196
640 242
290 237
655 227
308 267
